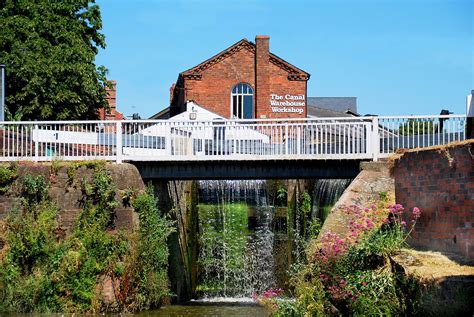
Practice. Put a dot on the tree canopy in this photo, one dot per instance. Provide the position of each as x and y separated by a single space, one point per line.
415 127
49 48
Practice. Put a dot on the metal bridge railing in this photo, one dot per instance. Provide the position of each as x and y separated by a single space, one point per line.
274 139
410 132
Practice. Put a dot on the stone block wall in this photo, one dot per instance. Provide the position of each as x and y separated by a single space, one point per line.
68 195
373 179
441 183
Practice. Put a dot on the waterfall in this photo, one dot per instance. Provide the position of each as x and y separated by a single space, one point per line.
236 240
326 193
239 253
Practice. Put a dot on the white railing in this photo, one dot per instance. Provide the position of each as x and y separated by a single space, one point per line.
410 132
266 139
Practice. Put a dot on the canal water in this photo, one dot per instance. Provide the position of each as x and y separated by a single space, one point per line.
191 310
207 311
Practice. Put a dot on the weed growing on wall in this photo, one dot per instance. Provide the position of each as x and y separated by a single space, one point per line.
144 277
352 275
8 173
44 271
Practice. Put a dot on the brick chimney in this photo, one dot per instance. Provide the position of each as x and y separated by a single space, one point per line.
262 75
172 92
111 96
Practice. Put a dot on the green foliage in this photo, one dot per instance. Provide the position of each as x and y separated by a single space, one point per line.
314 228
54 169
325 211
32 243
72 168
305 203
146 269
282 194
44 273
128 196
34 189
49 50
7 175
98 200
276 191
353 275
416 126
377 294
223 231
311 299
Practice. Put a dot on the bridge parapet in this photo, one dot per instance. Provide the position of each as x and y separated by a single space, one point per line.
226 140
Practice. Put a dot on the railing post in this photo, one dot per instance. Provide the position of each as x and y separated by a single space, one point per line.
168 139
118 145
286 138
35 141
375 142
298 140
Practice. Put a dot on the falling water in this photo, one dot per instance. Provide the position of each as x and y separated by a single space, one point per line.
236 241
326 193
238 249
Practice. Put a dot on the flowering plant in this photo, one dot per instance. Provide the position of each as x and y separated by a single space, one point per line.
269 299
344 263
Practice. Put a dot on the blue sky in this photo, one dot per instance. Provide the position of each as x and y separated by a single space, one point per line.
397 57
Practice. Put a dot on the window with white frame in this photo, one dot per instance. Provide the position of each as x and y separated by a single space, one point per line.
242 101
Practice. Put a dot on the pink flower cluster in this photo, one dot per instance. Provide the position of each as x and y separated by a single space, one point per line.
396 209
416 213
332 246
268 294
272 292
362 221
396 215
268 298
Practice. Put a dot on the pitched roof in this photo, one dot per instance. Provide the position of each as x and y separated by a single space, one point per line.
163 114
339 104
294 73
327 113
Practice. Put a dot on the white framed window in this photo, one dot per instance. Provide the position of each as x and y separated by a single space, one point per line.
242 101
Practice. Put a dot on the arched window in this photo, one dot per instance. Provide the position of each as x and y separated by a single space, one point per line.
242 101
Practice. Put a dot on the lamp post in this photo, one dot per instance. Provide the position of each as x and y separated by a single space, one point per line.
2 92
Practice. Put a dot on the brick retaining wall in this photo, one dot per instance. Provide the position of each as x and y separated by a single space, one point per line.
441 183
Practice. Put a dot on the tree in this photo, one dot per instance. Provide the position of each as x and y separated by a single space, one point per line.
415 127
49 48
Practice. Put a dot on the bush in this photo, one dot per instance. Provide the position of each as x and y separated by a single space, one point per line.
7 175
44 273
352 275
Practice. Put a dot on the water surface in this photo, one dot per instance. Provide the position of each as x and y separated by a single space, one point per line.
190 310
207 311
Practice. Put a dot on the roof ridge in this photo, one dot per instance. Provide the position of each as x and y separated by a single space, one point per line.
295 73
243 43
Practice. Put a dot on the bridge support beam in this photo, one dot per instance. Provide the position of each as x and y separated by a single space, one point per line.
178 200
301 169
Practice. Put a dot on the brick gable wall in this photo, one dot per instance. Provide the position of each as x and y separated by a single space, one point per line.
212 87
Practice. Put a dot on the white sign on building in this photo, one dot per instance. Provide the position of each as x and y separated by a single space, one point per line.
287 103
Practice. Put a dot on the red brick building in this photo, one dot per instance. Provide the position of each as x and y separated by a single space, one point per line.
243 81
